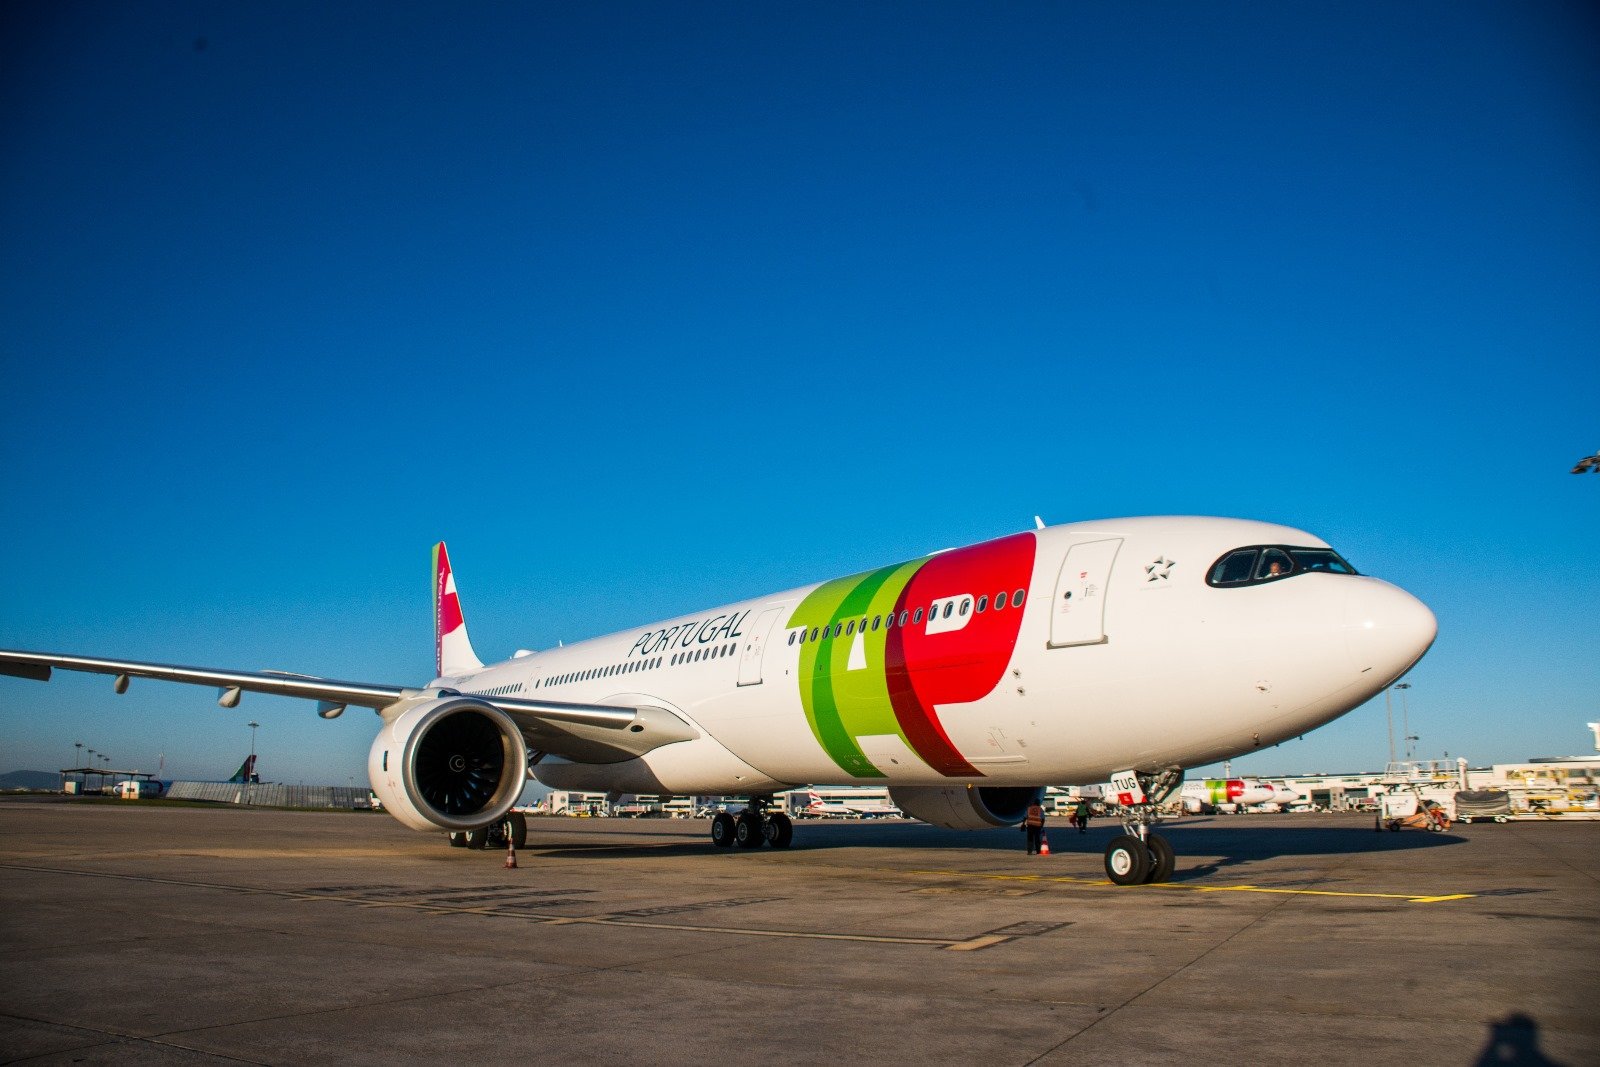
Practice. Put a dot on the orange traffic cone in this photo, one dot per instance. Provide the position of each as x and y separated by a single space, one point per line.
511 856
1044 845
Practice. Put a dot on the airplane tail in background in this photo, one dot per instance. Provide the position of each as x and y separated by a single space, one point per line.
452 647
246 771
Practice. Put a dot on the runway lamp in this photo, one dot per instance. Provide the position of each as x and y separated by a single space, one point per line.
1405 718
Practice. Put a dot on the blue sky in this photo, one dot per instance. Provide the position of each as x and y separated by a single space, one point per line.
644 308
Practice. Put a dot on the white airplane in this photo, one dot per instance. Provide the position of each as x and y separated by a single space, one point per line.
819 806
964 681
1231 794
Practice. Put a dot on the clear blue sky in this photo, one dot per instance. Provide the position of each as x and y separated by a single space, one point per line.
646 307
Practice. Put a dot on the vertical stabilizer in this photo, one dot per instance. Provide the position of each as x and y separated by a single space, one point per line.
452 647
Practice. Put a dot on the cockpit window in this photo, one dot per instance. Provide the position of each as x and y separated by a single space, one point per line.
1234 568
1275 563
1320 559
1268 563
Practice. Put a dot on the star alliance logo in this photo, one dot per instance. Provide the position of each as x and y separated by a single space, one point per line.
1160 570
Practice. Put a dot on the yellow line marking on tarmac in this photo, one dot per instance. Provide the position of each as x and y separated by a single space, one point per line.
880 939
1409 898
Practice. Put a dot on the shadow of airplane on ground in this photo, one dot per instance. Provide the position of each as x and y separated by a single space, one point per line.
1204 845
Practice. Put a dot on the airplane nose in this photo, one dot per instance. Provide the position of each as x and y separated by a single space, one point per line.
1386 628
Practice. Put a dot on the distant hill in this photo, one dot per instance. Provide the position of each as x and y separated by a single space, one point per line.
30 780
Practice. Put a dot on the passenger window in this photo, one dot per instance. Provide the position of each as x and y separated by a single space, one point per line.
888 621
1016 598
999 601
850 629
791 638
949 607
983 603
876 619
966 605
918 616
902 618
1275 563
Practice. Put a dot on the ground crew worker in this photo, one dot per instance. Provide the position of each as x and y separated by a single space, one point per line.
1083 816
1033 823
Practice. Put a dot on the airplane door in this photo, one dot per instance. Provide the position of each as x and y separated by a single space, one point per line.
1078 612
755 646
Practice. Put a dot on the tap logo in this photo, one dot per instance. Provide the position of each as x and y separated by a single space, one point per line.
881 652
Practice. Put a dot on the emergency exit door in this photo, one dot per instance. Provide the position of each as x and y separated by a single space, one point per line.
1078 612
755 646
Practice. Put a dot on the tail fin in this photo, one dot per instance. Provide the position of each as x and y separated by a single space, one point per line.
246 771
452 648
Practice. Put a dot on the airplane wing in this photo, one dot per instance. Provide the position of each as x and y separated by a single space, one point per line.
580 732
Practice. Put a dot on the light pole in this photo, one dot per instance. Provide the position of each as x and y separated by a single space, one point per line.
78 759
1405 718
250 779
1388 714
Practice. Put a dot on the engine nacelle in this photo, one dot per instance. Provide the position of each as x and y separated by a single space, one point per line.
966 807
452 764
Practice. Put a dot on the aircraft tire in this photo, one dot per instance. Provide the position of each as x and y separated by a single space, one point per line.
747 831
779 830
519 829
1127 860
722 830
1163 860
477 838
458 839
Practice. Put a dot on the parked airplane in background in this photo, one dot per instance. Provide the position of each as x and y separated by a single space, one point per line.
819 807
965 681
1233 794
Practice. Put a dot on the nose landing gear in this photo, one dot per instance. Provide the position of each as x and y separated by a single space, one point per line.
1138 856
753 827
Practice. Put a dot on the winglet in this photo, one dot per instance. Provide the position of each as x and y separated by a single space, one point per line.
452 647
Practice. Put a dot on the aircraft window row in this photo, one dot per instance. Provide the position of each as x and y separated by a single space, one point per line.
605 672
1268 563
906 617
502 690
713 652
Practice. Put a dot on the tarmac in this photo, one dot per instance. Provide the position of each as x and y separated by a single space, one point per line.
135 933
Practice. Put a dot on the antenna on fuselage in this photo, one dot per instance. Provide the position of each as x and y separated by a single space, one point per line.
1038 523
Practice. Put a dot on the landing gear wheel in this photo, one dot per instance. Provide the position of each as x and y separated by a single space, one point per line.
722 829
458 839
517 829
1163 860
747 831
1127 860
778 830
478 838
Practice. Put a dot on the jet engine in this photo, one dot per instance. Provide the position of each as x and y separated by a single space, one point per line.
966 807
451 764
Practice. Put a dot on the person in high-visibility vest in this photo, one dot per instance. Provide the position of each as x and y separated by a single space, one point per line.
1033 823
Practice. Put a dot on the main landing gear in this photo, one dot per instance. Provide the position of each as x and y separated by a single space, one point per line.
512 831
752 827
1138 855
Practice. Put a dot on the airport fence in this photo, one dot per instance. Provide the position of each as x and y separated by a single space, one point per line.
273 794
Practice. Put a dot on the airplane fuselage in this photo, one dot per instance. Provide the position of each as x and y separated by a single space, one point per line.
1049 656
